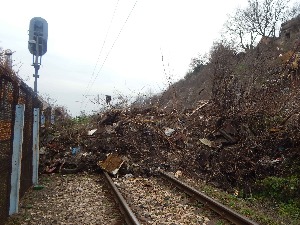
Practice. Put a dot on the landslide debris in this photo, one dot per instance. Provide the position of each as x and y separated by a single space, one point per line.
230 152
247 131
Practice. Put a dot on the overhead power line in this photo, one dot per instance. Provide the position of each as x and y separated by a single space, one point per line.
110 50
100 53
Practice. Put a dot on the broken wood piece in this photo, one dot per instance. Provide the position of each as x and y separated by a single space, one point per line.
228 136
207 142
200 107
112 164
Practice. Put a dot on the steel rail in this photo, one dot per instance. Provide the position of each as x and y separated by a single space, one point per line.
129 216
222 210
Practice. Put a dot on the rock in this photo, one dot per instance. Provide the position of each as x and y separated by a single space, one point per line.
178 174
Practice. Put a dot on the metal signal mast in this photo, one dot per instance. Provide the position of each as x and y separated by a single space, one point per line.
37 44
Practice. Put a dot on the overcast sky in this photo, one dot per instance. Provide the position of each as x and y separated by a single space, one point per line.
130 62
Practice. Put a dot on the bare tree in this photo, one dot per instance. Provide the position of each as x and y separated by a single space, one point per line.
261 18
198 63
223 61
238 29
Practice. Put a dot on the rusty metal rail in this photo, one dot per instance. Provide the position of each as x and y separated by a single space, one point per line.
129 216
222 210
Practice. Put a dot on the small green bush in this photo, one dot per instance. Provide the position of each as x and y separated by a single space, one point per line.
285 192
279 188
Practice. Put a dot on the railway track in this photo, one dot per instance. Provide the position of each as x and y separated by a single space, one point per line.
217 207
85 199
129 216
158 200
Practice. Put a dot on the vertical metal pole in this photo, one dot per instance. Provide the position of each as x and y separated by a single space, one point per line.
36 120
16 160
35 147
36 65
36 71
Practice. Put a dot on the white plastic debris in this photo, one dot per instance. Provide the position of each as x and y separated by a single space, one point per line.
91 132
169 131
129 175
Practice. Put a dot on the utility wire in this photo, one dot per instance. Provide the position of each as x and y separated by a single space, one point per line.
100 53
111 48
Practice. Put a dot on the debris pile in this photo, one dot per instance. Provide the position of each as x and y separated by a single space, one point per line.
229 152
247 131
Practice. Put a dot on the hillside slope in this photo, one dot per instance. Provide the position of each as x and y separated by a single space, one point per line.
243 79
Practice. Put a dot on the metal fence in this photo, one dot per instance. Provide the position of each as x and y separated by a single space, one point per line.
13 92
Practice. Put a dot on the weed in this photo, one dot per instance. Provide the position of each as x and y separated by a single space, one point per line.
279 188
199 205
220 222
231 203
283 191
247 212
291 209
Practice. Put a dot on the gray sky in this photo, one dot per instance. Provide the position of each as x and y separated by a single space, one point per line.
130 64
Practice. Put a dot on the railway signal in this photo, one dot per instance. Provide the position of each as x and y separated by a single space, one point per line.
37 44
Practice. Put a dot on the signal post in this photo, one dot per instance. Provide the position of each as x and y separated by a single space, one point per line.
37 46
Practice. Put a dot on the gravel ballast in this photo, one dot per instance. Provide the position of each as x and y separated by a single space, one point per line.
154 201
68 200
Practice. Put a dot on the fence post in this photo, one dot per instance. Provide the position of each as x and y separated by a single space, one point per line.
16 159
35 147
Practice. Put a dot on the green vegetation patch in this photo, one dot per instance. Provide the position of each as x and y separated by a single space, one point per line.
279 188
285 192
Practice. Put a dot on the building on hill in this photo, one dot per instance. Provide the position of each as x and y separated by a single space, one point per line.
290 29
